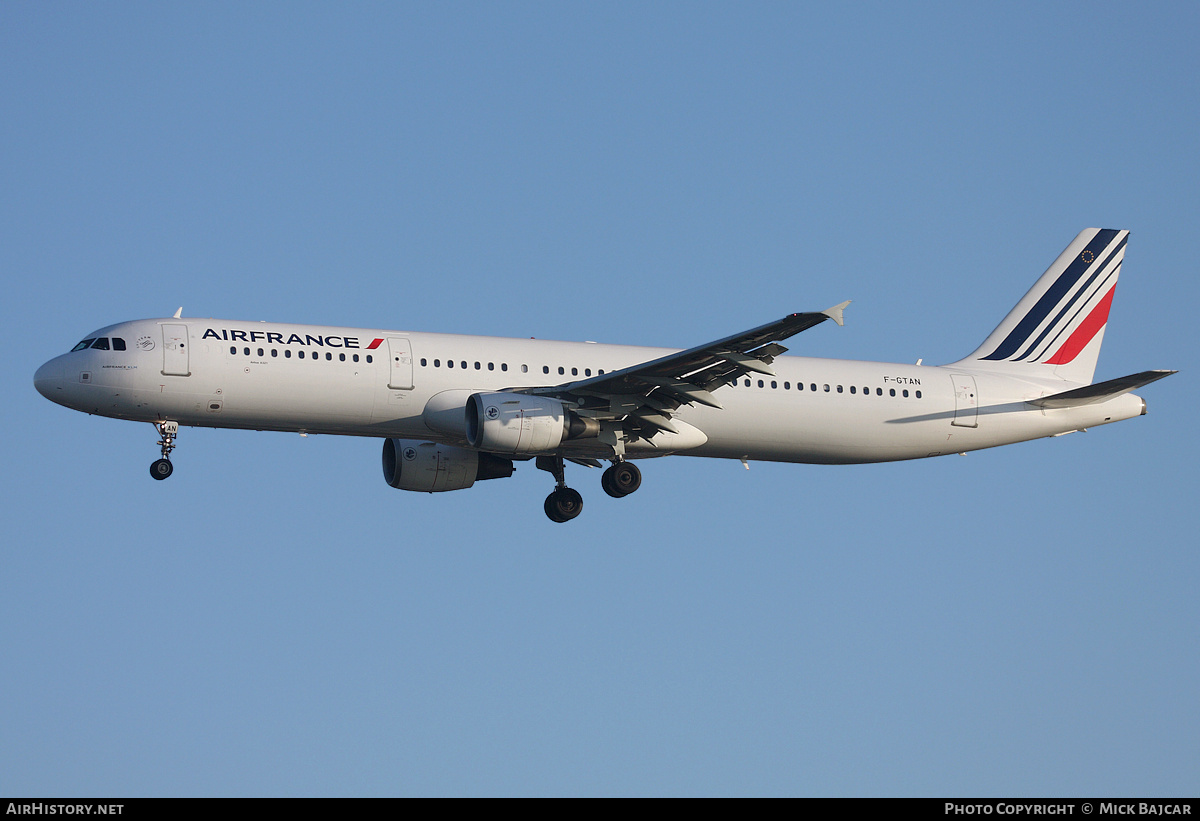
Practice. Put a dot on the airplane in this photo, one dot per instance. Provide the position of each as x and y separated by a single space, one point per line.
453 409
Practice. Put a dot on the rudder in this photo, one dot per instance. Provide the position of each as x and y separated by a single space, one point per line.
1057 327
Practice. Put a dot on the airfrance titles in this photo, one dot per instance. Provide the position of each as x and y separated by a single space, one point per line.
272 337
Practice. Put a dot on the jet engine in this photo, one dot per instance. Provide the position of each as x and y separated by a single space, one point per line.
409 464
518 423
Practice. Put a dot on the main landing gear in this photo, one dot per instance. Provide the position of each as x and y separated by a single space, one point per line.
163 467
564 504
621 479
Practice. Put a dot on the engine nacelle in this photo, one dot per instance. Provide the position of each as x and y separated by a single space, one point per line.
409 464
521 424
515 423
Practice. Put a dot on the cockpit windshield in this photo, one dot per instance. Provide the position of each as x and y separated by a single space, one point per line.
100 344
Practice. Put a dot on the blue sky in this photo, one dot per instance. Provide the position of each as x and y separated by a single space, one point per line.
276 620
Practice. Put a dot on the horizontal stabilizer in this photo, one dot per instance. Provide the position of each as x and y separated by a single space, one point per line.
1100 391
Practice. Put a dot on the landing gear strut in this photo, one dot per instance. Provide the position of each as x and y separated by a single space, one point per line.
621 479
163 467
563 504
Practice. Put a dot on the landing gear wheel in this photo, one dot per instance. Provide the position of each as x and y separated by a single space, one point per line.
621 479
161 469
563 505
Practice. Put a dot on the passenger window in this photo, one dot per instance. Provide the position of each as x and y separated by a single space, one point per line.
905 393
424 361
504 366
918 394
587 371
477 366
813 386
449 363
341 357
233 350
100 344
287 353
879 391
356 357
760 383
247 351
369 359
574 371
84 345
774 384
561 370
260 351
274 352
853 389
826 389
491 366
545 369
892 392
300 354
328 357
747 383
787 386
839 388
118 343
464 365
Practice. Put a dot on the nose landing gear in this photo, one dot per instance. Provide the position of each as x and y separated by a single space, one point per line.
163 468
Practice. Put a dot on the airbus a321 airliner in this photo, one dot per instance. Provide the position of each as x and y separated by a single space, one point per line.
453 410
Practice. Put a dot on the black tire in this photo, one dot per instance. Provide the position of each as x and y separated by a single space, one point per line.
563 505
621 479
551 511
162 469
606 482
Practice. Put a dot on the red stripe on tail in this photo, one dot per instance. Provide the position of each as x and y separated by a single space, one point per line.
1086 331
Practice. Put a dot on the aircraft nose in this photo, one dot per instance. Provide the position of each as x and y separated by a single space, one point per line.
48 379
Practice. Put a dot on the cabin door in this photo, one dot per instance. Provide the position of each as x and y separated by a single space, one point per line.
401 375
175 350
966 401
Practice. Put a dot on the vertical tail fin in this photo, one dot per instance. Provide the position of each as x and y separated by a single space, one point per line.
1056 329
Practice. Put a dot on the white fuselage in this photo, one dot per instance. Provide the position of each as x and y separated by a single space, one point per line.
362 382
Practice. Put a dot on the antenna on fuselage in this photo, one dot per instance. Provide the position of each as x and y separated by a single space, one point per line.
178 312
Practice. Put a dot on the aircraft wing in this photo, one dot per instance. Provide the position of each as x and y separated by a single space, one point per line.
651 391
